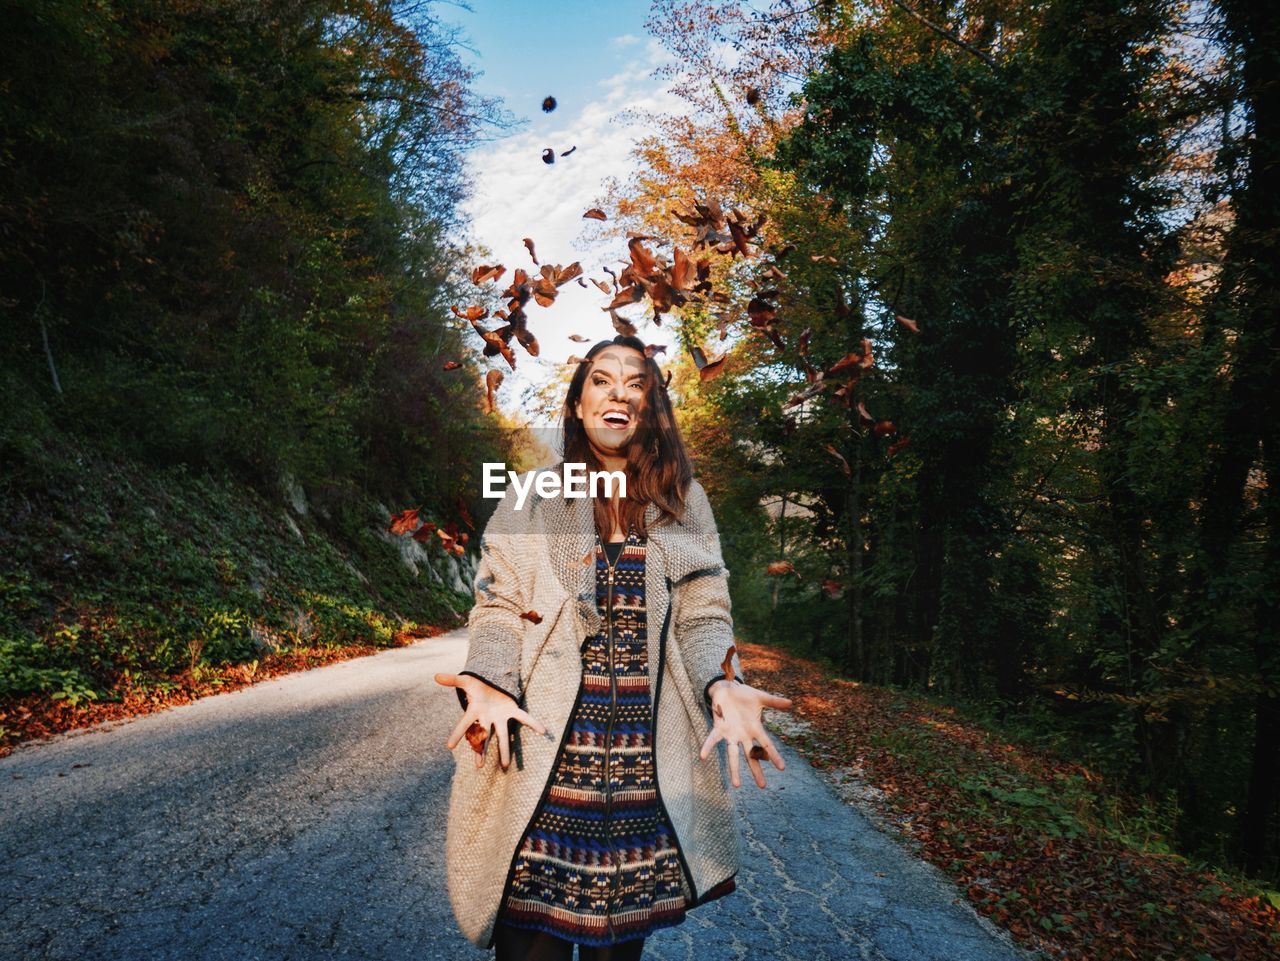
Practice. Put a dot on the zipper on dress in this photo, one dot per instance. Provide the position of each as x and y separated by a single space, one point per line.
608 744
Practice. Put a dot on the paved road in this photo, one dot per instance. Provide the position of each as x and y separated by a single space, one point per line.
304 818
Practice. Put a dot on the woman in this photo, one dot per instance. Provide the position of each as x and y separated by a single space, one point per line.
601 626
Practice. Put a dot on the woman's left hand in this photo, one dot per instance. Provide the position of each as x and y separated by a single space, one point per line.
737 710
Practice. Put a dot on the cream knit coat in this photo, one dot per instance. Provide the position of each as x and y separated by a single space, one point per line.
533 560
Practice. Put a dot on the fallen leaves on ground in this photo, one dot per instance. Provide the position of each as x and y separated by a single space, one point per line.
36 716
1017 830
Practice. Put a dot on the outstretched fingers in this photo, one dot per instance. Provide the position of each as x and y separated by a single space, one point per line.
770 749
460 729
716 734
526 718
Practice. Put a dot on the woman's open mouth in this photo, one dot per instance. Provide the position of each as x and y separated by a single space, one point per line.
617 419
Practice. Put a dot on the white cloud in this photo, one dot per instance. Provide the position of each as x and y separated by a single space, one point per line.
516 195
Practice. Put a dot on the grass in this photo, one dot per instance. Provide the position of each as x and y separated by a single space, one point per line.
125 587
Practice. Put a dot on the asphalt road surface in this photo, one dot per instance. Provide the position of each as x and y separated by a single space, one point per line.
304 818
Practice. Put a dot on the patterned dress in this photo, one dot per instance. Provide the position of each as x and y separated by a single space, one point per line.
598 862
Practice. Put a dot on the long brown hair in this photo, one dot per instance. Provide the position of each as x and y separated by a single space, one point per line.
658 466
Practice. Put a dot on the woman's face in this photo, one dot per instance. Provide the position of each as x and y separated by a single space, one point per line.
612 396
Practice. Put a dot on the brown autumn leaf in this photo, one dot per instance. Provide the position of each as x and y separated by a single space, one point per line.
604 288
908 323
451 365
476 736
471 313
626 296
595 213
548 156
883 428
484 273
466 516
405 522
778 568
707 369
548 104
621 324
727 664
814 388
423 534
651 350
896 446
533 616
575 359
528 242
579 339
844 464
832 588
492 380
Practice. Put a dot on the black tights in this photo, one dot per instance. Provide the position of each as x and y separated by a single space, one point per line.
521 944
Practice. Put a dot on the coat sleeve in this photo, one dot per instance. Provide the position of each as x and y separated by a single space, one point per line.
494 625
704 624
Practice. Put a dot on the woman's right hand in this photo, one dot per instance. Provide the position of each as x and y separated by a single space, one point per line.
491 709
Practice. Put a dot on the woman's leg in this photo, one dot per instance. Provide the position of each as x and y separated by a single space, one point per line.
622 951
521 944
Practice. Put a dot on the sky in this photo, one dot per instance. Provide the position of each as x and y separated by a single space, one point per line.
597 60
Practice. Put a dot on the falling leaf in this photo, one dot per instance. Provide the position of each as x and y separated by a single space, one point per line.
595 213
707 369
471 313
565 153
528 242
492 380
548 156
753 96
727 664
896 446
579 339
405 522
832 588
466 516
548 104
484 272
621 324
844 464
778 568
451 365
533 616
908 323
651 350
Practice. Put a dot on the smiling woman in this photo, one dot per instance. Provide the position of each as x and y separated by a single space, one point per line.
601 651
